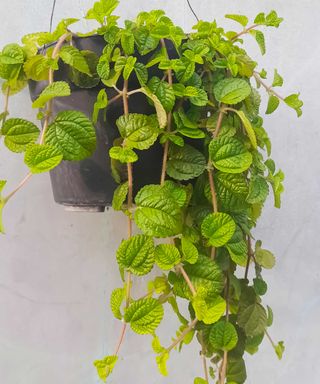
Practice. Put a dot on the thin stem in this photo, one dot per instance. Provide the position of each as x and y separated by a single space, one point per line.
115 98
223 371
203 357
270 339
187 279
249 257
246 30
134 91
183 334
169 119
20 185
6 105
268 88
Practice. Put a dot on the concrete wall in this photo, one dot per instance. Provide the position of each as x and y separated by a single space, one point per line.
57 269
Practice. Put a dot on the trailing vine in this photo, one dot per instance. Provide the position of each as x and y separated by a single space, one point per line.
216 171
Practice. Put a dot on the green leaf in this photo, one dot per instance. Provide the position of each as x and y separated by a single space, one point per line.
127 42
223 336
73 134
129 67
248 127
185 163
185 70
252 343
218 228
161 113
236 371
241 19
270 316
260 286
277 79
273 103
264 257
2 204
294 102
163 91
73 57
136 254
158 213
229 155
103 68
259 36
101 103
167 256
144 315
258 190
270 20
139 131
204 273
201 99
208 309
101 10
279 349
199 380
105 366
42 158
56 89
189 251
141 73
123 154
18 134
232 90
237 248
160 31
116 299
253 319
84 80
232 190
12 54
144 41
119 196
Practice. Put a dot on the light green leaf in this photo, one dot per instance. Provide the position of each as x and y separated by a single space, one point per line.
141 73
158 213
56 89
185 163
73 134
237 248
253 319
258 190
229 155
12 54
37 67
259 36
161 113
101 10
123 154
277 79
2 204
273 103
201 98
294 102
119 196
163 91
144 41
223 335
103 68
264 257
189 251
248 127
205 273
136 254
241 19
208 309
232 90
19 133
270 20
144 315
279 349
42 158
162 363
139 131
101 103
73 57
199 380
129 67
218 228
167 256
105 366
116 299
127 42
160 31
156 345
84 80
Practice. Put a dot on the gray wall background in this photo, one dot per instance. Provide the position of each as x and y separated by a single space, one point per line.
57 269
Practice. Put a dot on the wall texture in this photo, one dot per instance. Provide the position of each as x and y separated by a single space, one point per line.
57 269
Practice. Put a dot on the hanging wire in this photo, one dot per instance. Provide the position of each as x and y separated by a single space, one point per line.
190 6
52 14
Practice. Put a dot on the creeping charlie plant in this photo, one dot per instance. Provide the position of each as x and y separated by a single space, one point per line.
216 171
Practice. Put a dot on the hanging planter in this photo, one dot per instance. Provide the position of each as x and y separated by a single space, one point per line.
89 184
167 126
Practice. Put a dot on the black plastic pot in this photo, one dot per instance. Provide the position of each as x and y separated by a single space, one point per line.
88 185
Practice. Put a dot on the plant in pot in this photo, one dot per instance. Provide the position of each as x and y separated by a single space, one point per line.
165 126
